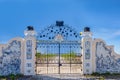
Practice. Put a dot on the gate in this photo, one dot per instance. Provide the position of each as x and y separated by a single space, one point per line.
58 50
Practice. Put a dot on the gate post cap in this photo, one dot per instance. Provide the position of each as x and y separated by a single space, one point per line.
59 23
30 28
87 29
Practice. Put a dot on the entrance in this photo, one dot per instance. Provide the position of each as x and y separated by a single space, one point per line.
58 50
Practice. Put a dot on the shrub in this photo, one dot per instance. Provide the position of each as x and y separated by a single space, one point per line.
115 73
95 74
19 75
12 76
2 77
101 78
106 74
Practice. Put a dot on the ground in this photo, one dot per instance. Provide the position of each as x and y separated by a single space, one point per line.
64 77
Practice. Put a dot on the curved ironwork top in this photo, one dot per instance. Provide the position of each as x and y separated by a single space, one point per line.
59 31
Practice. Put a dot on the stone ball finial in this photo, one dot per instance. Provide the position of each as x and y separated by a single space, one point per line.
30 28
86 29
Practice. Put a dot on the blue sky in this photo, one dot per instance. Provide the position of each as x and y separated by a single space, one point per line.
102 16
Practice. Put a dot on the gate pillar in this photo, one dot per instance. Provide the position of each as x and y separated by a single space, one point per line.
87 51
30 51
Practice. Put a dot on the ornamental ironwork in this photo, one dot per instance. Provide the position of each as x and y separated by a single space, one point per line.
58 50
61 29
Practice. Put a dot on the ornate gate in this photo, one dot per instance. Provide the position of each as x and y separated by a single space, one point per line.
58 50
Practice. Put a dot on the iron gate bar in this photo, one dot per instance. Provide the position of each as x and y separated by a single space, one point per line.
59 57
47 59
70 58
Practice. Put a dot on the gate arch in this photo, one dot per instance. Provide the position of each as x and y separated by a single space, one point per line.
58 50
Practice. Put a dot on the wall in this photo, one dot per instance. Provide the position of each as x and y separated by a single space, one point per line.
29 57
18 55
87 53
106 60
11 57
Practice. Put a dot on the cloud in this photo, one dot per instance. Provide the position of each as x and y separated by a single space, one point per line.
117 33
114 34
111 36
107 34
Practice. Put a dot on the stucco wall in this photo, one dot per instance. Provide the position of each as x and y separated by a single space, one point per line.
29 55
11 55
106 60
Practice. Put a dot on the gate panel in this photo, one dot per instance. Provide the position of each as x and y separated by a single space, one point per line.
53 68
47 57
41 68
54 57
65 68
76 68
58 50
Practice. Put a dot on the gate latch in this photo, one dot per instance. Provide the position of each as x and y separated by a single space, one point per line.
60 64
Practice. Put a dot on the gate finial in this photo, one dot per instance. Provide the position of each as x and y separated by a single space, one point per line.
59 23
30 31
30 28
86 29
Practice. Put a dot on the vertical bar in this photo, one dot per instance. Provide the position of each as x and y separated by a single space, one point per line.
70 58
59 58
47 58
36 58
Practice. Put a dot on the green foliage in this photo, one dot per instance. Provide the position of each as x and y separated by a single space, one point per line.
95 74
38 55
106 74
71 55
2 77
115 73
101 74
68 55
12 76
101 78
19 75
49 55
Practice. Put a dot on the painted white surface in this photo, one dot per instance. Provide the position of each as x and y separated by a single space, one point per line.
30 70
87 55
101 58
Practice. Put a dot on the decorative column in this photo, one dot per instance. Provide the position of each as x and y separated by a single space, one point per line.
30 51
86 51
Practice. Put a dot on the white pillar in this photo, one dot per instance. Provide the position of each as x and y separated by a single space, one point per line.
87 51
30 51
